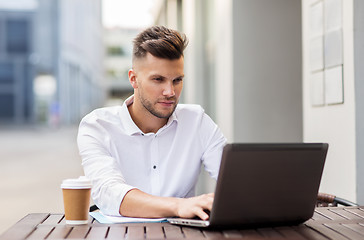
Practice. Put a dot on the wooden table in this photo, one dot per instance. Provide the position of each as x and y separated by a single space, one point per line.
327 223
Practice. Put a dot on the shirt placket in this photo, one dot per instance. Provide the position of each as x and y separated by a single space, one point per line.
155 184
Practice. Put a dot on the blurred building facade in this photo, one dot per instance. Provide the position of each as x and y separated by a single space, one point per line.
248 65
118 44
16 72
51 55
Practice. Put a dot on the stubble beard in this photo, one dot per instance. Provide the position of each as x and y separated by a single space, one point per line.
149 107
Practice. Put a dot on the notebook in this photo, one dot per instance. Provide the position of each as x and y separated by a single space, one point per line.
265 185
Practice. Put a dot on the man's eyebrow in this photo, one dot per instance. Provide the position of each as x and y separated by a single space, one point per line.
180 77
161 76
156 76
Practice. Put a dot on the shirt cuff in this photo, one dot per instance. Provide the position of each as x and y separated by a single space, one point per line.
116 196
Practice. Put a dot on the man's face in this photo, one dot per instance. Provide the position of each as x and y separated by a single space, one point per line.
157 84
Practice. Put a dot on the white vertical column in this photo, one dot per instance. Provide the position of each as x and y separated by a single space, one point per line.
224 68
189 19
358 38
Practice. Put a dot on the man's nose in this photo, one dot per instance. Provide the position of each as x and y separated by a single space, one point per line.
168 90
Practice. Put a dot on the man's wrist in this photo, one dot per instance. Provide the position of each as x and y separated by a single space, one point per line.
175 204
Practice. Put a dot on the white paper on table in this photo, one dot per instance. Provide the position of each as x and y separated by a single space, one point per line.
102 218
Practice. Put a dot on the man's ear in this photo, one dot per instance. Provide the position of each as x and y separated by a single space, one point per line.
132 78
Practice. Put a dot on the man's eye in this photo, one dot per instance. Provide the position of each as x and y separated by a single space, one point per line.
178 80
157 79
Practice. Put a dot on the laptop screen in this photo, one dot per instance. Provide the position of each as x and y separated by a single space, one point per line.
268 183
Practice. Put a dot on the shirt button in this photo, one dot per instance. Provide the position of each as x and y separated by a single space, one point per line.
154 167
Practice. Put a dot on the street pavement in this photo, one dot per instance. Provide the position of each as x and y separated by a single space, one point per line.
33 163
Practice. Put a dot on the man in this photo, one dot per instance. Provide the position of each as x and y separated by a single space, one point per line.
144 157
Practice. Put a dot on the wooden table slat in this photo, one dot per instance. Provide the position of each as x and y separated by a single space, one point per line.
349 233
172 231
192 232
231 234
327 213
60 232
356 211
209 234
269 232
26 224
53 219
90 220
33 219
63 221
249 233
116 232
346 214
136 232
356 227
328 232
98 232
79 232
153 232
40 232
290 233
319 217
309 233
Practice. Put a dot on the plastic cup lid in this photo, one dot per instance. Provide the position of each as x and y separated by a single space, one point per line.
81 182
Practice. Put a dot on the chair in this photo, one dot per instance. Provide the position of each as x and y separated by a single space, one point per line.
329 200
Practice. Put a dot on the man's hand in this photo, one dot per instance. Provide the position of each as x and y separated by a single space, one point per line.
195 206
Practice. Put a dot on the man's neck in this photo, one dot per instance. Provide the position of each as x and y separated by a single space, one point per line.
146 121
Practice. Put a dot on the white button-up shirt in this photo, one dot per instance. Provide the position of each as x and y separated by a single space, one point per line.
117 156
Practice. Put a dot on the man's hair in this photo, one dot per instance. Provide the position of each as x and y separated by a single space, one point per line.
161 42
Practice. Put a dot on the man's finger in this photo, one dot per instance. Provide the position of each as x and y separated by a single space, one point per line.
207 203
202 214
210 194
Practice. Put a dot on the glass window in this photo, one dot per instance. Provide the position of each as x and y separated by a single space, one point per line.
7 106
6 73
17 36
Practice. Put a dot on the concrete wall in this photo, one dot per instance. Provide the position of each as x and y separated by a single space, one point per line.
267 71
334 124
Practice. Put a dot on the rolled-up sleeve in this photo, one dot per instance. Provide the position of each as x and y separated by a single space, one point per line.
108 184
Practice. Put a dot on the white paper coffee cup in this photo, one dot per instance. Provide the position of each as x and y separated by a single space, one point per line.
76 199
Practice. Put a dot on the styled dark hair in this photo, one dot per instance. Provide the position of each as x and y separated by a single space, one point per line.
161 42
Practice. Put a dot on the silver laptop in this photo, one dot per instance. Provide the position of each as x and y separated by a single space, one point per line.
265 185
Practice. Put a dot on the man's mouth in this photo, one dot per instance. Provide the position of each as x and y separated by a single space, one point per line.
166 103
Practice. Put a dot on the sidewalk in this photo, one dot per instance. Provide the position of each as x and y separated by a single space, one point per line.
34 161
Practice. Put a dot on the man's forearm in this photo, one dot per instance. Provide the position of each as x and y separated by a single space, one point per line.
139 204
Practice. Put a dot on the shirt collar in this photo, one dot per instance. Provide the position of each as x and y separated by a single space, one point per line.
130 127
